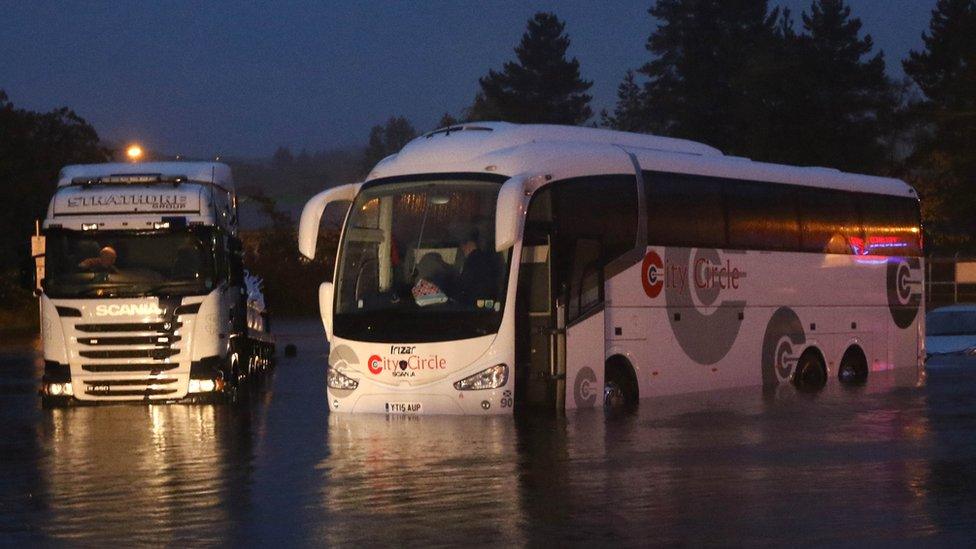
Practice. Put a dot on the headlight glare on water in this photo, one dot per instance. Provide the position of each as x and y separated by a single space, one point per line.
489 378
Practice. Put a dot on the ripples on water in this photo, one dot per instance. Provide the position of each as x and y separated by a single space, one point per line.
878 464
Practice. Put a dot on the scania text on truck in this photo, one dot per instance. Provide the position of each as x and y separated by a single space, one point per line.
142 289
489 265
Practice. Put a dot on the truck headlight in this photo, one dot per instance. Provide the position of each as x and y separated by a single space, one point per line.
338 380
489 378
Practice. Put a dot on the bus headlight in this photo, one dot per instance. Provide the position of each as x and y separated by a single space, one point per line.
489 378
338 380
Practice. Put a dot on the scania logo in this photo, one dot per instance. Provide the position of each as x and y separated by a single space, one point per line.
140 309
375 365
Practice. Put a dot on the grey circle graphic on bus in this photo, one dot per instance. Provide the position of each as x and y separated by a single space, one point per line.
781 346
706 337
342 357
584 388
904 281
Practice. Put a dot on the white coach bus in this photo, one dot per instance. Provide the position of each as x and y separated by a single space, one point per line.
491 265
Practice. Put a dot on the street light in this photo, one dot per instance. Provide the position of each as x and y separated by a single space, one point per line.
134 152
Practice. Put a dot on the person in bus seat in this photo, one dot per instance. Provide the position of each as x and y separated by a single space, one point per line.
434 280
103 262
477 280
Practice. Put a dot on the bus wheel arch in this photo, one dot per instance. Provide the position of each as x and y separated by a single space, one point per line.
810 374
853 368
620 387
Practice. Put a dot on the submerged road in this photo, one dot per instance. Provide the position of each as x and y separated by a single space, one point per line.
874 465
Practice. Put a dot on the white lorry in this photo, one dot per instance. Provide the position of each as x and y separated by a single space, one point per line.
143 293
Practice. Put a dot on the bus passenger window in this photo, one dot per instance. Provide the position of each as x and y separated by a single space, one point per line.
829 222
762 216
891 225
684 210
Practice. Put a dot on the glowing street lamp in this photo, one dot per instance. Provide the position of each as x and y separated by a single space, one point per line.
134 152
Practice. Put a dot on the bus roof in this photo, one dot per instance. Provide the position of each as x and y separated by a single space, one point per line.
569 151
215 172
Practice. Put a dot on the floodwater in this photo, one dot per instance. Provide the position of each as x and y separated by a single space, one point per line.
877 465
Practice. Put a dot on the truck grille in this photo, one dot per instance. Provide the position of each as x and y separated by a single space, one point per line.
135 351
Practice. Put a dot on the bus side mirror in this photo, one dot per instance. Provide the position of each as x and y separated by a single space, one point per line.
509 212
326 298
308 225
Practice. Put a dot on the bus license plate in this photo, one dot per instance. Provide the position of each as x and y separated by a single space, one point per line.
403 407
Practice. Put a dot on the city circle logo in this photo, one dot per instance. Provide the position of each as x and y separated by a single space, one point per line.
904 281
375 365
781 346
653 274
584 388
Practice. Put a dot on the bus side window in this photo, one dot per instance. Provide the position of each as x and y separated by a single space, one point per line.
684 210
829 222
891 225
762 216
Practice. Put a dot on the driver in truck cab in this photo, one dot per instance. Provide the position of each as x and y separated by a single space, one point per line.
103 262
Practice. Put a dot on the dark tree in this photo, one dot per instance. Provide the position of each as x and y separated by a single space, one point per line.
543 86
945 157
710 63
845 100
33 149
387 139
629 113
282 157
447 120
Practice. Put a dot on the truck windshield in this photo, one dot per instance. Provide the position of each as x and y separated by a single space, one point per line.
129 263
418 263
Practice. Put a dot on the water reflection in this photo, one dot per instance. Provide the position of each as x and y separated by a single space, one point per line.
407 479
150 474
731 467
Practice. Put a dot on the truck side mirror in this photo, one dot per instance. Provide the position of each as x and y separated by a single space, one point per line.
308 225
38 252
509 213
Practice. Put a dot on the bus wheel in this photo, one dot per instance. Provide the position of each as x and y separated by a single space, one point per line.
619 387
811 373
853 369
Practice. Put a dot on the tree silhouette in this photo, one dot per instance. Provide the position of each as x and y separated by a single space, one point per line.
387 139
710 62
33 149
543 86
844 93
945 157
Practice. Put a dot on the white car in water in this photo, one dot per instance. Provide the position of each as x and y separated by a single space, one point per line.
950 333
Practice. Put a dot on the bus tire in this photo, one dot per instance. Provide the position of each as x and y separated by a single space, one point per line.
853 369
811 371
620 390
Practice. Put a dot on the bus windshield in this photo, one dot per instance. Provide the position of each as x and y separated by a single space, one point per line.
418 263
129 263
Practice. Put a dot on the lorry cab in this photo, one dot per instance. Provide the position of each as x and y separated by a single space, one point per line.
143 293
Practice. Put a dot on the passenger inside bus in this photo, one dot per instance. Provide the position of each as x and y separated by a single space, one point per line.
434 280
477 280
